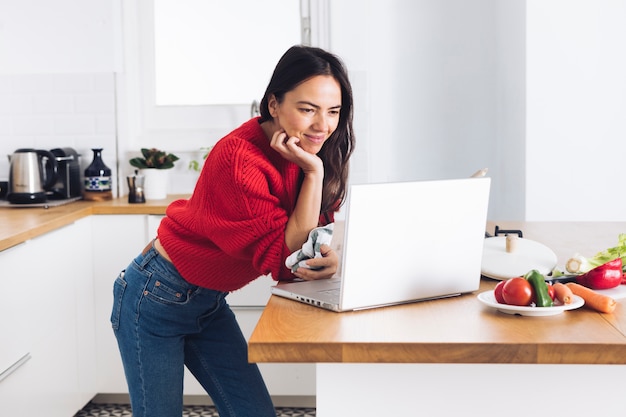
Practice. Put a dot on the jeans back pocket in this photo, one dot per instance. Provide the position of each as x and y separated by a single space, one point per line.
118 292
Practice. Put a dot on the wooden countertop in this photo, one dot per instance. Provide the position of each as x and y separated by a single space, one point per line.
18 224
454 330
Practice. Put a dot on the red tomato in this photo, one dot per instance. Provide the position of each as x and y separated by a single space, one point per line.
551 291
517 291
497 292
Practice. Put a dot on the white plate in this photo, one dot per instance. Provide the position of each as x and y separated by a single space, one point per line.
616 293
489 299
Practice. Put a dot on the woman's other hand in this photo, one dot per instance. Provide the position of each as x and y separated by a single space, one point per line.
326 266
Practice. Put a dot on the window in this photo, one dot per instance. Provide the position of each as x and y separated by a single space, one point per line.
219 52
198 65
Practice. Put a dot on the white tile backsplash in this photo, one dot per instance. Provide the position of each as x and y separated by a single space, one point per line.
5 126
95 103
31 125
11 103
105 124
54 83
75 124
47 111
52 103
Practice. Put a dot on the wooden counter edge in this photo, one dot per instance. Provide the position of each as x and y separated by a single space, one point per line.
57 222
294 352
475 353
121 205
68 214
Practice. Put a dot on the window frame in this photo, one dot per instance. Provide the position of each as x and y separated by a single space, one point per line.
162 126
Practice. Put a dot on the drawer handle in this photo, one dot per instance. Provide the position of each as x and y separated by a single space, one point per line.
15 366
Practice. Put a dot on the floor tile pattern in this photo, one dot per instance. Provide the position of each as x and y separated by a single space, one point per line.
123 410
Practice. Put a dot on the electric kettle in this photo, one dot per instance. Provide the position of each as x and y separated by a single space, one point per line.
32 172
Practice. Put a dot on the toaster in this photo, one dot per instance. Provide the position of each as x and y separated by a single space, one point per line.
69 181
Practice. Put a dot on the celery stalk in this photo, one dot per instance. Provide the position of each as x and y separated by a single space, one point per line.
579 264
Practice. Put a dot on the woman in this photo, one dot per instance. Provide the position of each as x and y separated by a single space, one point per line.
263 188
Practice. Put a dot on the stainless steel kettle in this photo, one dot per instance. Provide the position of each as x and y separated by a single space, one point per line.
32 172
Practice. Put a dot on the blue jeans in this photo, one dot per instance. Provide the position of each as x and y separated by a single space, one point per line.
162 323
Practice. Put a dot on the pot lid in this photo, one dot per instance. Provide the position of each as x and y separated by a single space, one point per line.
525 255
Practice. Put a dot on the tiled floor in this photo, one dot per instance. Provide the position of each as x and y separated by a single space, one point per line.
123 410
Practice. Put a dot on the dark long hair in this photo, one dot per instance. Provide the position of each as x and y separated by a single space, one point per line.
297 65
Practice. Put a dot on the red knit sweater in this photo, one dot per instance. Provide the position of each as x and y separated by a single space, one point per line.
232 229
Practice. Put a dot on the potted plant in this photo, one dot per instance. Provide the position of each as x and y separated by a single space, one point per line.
154 165
154 158
196 165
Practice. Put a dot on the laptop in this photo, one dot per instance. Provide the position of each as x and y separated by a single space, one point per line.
404 242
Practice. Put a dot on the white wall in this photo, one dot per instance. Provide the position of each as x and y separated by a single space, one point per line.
576 110
507 192
46 111
429 89
533 89
57 82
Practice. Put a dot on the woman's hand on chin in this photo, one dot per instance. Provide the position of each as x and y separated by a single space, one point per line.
288 148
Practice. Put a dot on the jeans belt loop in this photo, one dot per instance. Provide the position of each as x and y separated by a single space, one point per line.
148 247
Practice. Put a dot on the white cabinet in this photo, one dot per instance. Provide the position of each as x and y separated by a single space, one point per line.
117 240
17 338
63 36
46 283
80 263
56 293
282 379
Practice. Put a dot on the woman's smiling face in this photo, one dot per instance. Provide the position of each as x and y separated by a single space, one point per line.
309 112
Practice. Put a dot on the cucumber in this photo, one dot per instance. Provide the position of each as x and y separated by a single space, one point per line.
541 288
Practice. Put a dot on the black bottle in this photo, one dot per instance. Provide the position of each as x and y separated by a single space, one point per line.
98 180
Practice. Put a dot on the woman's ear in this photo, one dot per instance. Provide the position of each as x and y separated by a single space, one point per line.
272 105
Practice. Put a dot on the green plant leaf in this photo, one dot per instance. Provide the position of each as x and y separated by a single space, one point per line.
154 158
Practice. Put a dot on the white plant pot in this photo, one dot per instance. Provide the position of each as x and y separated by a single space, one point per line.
156 183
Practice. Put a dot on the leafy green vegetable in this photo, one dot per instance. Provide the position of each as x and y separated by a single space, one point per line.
556 273
618 251
579 264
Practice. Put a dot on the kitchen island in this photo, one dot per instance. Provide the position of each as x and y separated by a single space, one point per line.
456 356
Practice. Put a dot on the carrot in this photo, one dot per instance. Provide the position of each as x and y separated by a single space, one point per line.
562 292
599 302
